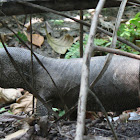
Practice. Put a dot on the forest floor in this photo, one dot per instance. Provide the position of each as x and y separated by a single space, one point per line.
96 125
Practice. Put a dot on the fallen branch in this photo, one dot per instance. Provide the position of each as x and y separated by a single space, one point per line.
116 89
7 6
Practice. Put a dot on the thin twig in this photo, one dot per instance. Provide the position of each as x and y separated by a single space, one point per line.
104 111
63 134
85 74
117 51
70 111
136 1
113 44
81 34
110 56
17 22
135 4
104 130
32 62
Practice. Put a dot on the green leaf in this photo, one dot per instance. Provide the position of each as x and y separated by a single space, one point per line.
9 111
136 52
108 44
135 21
55 109
61 113
137 15
100 42
22 36
57 22
2 109
1 46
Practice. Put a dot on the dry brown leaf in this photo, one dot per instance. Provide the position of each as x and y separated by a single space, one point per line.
17 134
23 104
9 95
138 111
91 115
34 21
59 45
124 117
37 39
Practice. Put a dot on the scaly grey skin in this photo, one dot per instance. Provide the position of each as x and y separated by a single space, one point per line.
117 89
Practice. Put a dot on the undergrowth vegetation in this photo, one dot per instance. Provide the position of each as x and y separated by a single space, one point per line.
129 31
